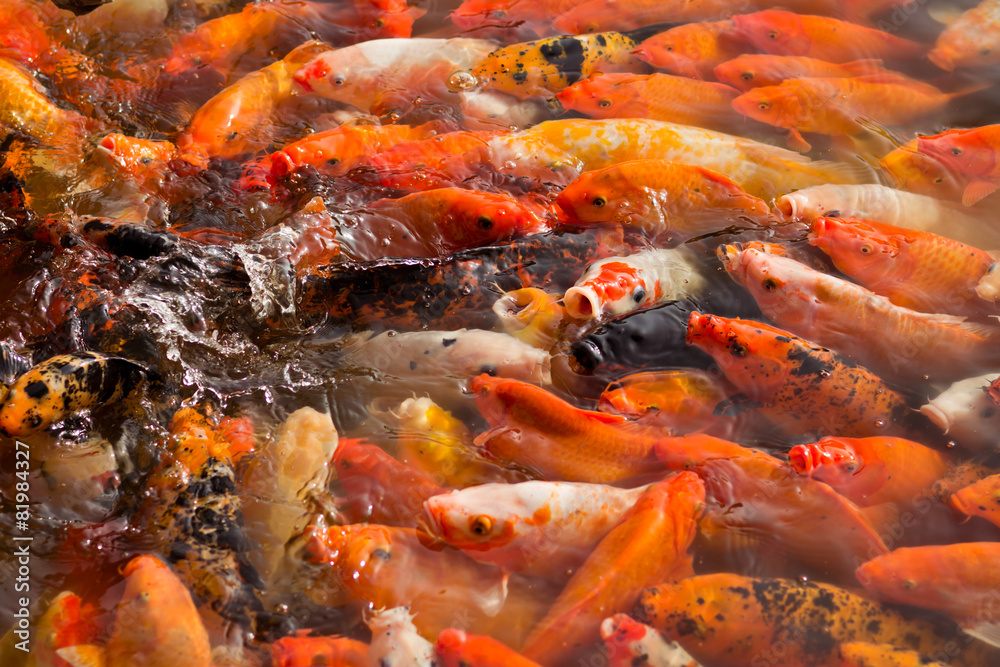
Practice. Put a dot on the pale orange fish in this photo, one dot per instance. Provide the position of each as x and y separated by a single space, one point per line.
907 168
660 199
537 429
871 471
833 106
722 618
786 33
676 99
970 155
973 40
648 546
914 269
958 580
752 70
981 498
693 50
897 343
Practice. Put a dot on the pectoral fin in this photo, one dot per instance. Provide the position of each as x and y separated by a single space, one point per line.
978 190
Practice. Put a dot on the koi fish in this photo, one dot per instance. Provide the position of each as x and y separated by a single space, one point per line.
396 642
913 269
67 622
618 285
678 401
540 431
541 528
379 489
664 97
753 70
755 502
888 206
241 119
970 153
988 287
437 223
957 580
418 164
377 75
980 498
557 151
547 66
156 621
595 15
783 374
784 33
629 643
965 413
535 15
833 106
532 315
895 342
971 40
721 618
300 650
456 648
142 161
56 388
27 109
908 168
692 50
649 544
385 567
338 150
863 654
871 471
660 199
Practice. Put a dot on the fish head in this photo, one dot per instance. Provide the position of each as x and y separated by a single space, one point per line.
741 72
963 152
141 160
780 106
908 168
831 460
476 13
773 31
605 195
386 18
905 576
476 219
679 50
531 315
857 247
682 391
610 287
479 519
604 96
335 76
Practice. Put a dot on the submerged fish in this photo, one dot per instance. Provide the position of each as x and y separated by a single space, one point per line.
973 40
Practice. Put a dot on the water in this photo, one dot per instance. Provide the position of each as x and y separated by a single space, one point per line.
237 304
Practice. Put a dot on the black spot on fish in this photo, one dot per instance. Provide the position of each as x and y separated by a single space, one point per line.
36 389
413 365
520 76
566 55
810 364
601 40
448 342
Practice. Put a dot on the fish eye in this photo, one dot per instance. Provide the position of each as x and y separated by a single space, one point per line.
484 222
670 47
851 466
773 34
339 81
604 103
599 202
738 349
381 554
764 106
866 249
500 14
909 584
146 160
770 284
489 370
956 151
380 23
747 76
639 295
481 525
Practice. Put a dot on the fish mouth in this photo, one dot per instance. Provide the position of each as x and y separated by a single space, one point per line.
582 303
788 205
938 416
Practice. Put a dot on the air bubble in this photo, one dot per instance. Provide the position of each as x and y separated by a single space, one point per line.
462 80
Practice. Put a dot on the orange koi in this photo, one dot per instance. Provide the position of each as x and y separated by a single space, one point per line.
536 429
676 99
341 149
28 109
908 168
980 498
863 654
971 155
457 649
833 106
600 15
303 651
971 41
693 50
752 70
650 544
536 15
418 164
785 33
913 269
660 199
437 223
678 401
68 621
549 65
142 161
385 567
629 643
795 383
542 528
379 489
722 618
958 580
532 315
893 341
241 119
871 471
386 18
755 498
617 285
